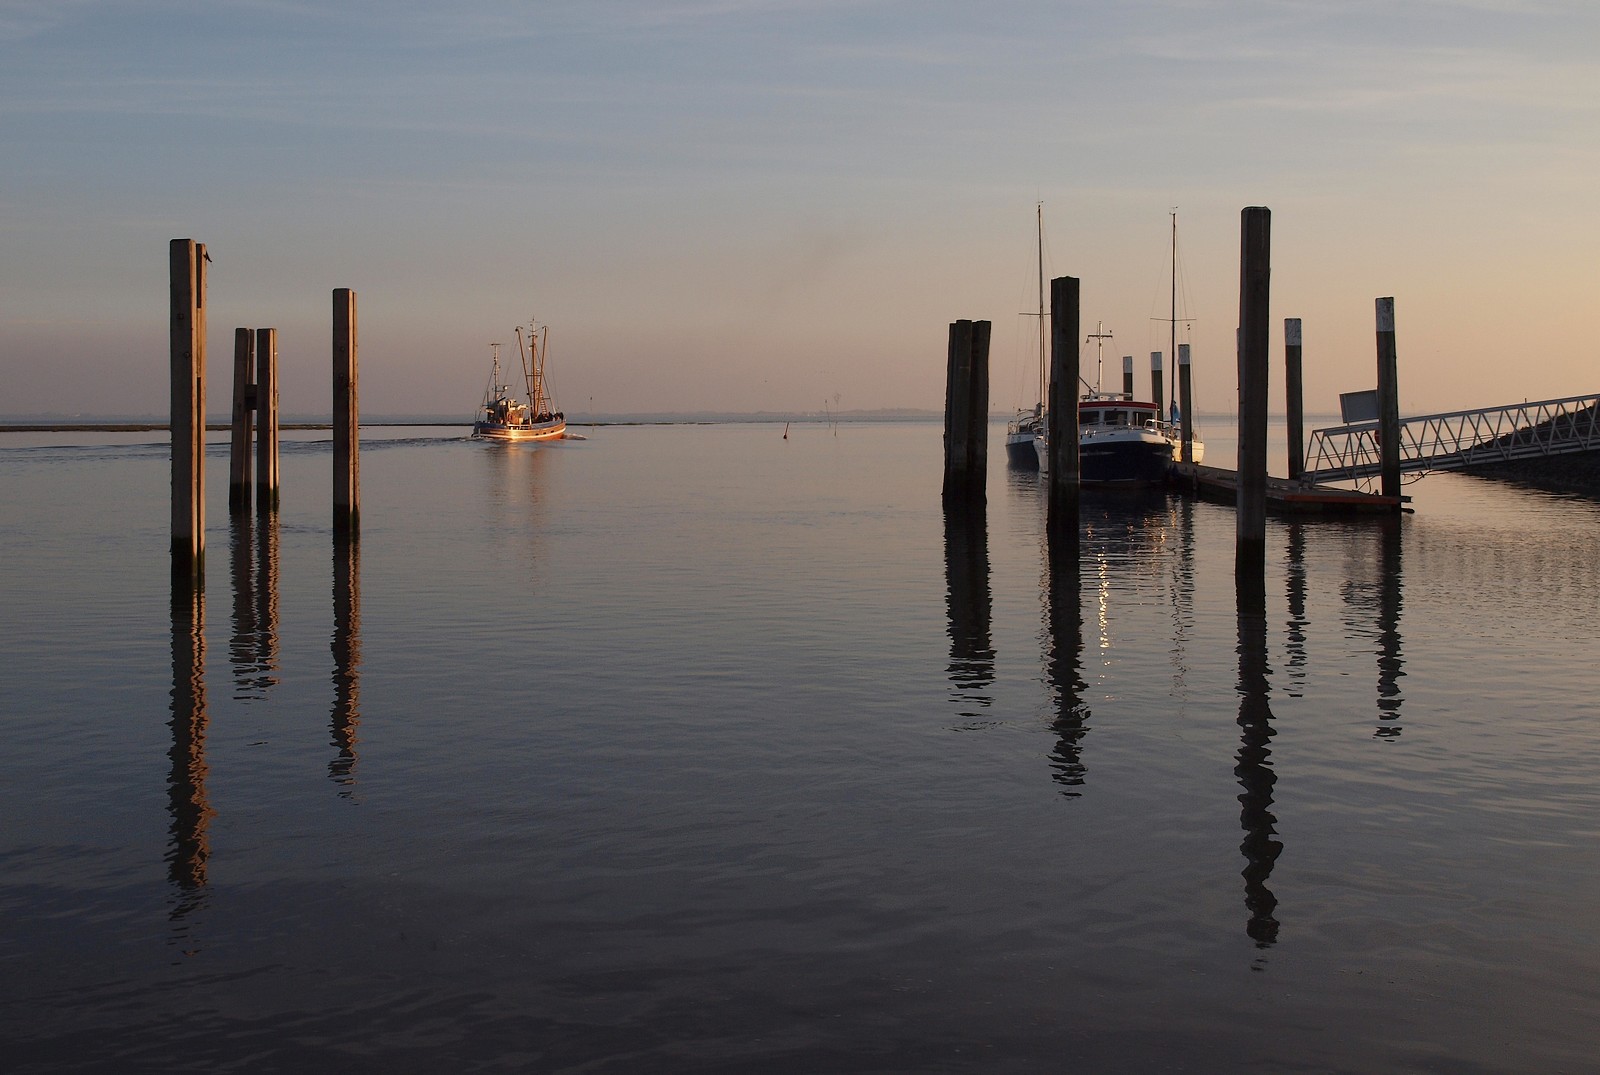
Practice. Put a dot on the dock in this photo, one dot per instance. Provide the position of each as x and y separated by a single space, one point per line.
1284 497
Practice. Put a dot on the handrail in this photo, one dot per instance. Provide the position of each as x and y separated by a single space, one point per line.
1454 440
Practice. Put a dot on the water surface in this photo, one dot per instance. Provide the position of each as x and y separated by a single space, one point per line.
695 748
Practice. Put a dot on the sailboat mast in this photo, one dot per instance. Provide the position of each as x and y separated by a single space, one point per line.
1043 387
1172 349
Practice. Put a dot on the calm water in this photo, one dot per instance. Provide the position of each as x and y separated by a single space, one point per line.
689 748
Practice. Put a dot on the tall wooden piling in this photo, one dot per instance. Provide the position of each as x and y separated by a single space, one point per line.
1158 393
1062 421
1185 403
346 416
1388 401
966 412
1127 376
266 419
244 405
186 263
1293 406
1255 275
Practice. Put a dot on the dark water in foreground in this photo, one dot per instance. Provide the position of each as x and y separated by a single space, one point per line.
694 749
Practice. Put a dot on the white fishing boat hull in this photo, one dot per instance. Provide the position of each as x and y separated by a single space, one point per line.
531 431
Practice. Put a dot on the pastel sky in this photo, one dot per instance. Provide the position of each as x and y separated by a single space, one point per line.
745 205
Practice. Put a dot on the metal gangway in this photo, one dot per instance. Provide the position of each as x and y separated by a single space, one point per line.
1459 439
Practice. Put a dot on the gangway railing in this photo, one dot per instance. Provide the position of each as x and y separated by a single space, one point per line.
1459 439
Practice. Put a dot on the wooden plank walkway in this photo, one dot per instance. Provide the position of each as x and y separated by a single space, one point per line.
1284 497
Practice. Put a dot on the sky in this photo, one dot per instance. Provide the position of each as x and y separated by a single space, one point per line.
781 205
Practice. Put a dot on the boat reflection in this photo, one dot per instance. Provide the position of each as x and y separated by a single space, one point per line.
186 782
969 606
346 647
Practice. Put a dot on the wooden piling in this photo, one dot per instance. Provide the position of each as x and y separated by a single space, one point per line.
1293 406
266 420
1388 401
1158 394
1255 275
186 262
1185 403
966 411
346 416
1127 376
244 375
1062 421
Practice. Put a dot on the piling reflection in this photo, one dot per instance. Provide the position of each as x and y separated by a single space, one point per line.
1391 666
1254 765
1183 586
1295 628
1064 617
968 602
346 646
186 784
1372 599
253 563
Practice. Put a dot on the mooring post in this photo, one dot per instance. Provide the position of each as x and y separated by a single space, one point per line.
1293 407
244 375
1185 402
1127 376
1158 394
346 416
1388 401
1255 275
186 264
966 411
1062 423
266 419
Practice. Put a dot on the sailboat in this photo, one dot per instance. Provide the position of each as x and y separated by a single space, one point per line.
1195 449
503 416
1028 425
1124 442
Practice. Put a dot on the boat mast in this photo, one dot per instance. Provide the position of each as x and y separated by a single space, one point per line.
527 371
1043 387
1172 352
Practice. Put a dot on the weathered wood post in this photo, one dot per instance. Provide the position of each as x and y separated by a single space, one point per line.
1185 402
266 419
1158 393
1127 376
1293 406
1062 422
186 263
1388 401
346 416
966 412
244 404
1255 275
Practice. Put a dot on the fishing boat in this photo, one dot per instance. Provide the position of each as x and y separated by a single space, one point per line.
1124 442
1028 425
507 417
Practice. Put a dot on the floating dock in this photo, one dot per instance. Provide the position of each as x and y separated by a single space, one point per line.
1284 497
